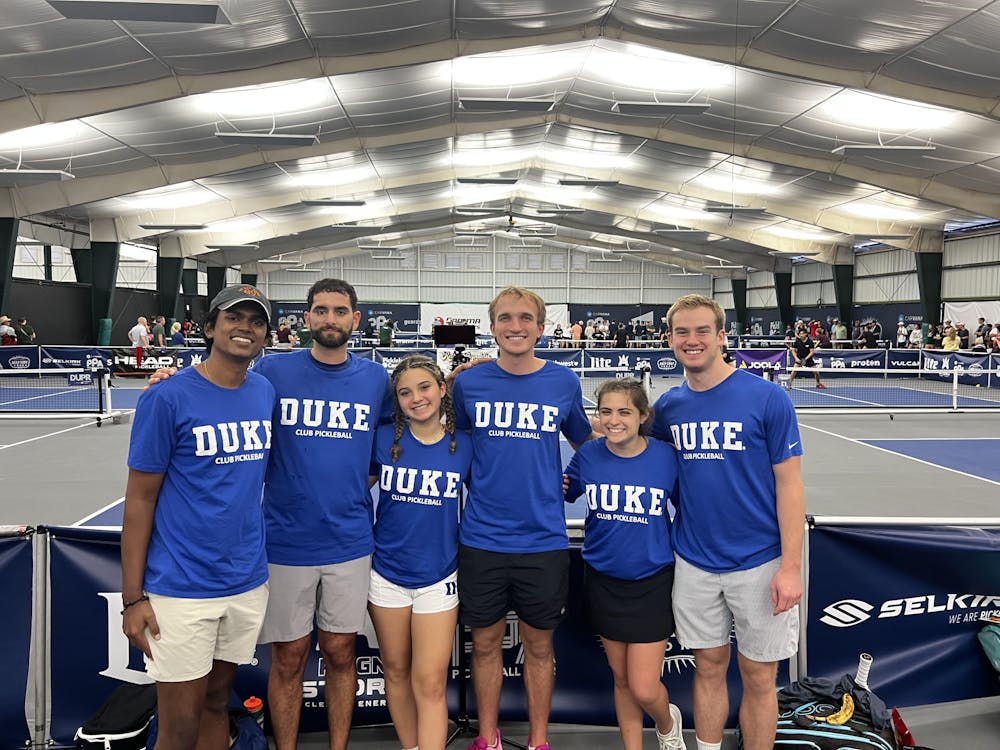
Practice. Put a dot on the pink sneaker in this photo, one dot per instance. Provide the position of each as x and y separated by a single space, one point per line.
543 746
821 386
480 743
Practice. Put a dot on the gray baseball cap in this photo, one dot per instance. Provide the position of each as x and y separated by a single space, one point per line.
233 295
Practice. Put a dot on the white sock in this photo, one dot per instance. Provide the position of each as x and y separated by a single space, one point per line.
412 748
702 745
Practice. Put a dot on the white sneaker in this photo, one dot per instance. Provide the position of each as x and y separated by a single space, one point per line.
674 740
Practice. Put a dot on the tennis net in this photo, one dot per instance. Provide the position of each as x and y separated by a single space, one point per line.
879 390
71 392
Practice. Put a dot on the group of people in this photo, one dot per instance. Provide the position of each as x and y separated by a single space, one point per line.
608 334
312 430
16 334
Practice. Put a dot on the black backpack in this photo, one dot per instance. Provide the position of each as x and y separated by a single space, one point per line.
122 721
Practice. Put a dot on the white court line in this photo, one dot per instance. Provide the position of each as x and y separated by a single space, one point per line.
96 513
942 439
47 435
894 453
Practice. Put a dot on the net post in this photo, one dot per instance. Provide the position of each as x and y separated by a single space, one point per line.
954 389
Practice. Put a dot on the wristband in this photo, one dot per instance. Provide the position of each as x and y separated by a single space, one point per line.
142 598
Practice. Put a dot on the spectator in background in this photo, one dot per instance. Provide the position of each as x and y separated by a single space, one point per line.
588 333
139 336
176 336
822 340
983 330
621 337
385 332
934 337
159 334
856 333
304 335
285 336
951 342
916 337
993 341
25 334
902 336
963 336
7 335
868 339
557 335
576 333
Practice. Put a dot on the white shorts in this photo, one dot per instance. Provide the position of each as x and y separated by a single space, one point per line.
708 605
333 595
426 600
196 632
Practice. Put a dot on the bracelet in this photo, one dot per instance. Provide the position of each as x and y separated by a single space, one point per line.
125 606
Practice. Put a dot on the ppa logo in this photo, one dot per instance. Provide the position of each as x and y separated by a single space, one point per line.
846 613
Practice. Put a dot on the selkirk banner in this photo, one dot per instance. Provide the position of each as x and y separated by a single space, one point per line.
914 597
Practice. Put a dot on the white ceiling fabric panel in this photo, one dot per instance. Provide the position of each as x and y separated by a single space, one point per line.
131 111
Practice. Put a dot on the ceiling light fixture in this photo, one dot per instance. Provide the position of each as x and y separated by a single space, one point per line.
18 177
877 148
573 182
865 237
794 253
472 104
303 269
276 261
747 210
604 259
560 211
376 248
232 247
275 140
333 202
486 180
167 11
723 265
659 109
473 233
690 233
172 227
478 211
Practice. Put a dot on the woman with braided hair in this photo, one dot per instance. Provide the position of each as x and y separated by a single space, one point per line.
421 464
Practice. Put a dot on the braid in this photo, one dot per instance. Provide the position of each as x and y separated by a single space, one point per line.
400 422
449 420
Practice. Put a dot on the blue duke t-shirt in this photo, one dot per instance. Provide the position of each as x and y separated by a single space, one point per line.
515 499
211 444
316 501
728 439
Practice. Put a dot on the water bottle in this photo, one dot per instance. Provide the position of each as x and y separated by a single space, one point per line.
255 707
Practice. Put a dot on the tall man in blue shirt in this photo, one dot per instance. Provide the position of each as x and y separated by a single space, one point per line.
513 550
739 526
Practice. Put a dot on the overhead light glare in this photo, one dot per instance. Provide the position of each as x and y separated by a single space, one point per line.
877 148
166 11
660 109
473 104
274 140
574 182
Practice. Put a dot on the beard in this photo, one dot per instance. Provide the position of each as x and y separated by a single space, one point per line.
331 337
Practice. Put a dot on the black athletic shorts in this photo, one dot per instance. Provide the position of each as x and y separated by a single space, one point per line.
535 585
630 611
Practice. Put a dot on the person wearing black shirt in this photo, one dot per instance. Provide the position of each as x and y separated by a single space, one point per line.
868 339
802 349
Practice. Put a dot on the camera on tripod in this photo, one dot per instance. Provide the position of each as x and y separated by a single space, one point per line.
459 357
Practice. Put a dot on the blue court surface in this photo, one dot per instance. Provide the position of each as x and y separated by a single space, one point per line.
805 394
975 456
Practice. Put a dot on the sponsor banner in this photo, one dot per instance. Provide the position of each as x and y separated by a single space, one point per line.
455 314
389 358
124 360
405 317
760 361
903 359
851 360
293 313
571 358
913 598
15 638
19 357
971 366
87 357
613 361
652 315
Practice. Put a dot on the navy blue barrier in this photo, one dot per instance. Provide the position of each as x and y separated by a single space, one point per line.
19 358
912 597
15 637
90 654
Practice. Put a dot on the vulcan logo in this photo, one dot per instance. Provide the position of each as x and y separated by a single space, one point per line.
850 612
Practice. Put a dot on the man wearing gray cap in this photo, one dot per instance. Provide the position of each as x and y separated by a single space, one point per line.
194 569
